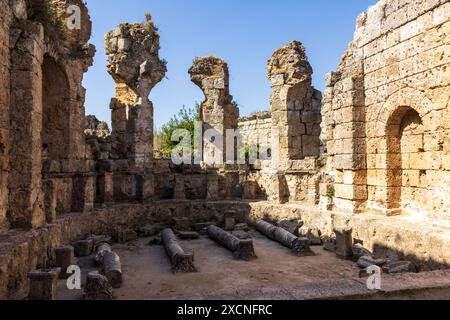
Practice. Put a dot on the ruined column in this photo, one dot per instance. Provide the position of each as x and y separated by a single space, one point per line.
134 64
64 259
295 104
43 284
181 261
242 249
218 113
300 246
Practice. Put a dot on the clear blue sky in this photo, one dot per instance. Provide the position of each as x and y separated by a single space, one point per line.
243 32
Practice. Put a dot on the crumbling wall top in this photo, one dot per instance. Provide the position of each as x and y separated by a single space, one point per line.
133 56
209 72
289 65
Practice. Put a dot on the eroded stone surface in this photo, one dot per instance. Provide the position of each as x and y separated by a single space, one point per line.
382 146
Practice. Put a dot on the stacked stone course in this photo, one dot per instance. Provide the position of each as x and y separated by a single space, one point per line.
375 144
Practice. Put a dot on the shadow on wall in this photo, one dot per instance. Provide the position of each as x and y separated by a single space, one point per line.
384 252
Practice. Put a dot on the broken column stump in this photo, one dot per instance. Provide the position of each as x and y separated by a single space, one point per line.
181 261
344 243
112 268
64 259
229 220
97 287
242 249
83 248
148 230
124 236
43 284
182 224
299 246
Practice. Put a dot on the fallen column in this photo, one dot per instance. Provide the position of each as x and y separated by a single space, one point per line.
242 249
299 246
181 261
97 287
113 269
100 252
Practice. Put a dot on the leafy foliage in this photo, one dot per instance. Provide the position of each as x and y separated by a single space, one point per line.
44 13
185 119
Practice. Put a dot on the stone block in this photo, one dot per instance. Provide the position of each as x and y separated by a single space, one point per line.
344 243
182 224
83 248
148 230
124 236
229 220
64 259
43 284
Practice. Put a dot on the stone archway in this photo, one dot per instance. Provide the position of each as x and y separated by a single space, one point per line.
55 135
406 168
402 125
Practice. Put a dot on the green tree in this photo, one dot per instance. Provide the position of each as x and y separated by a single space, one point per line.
184 119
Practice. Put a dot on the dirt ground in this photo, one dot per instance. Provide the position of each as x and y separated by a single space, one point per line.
147 273
147 270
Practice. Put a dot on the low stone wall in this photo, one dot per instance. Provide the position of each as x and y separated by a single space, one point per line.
23 251
423 242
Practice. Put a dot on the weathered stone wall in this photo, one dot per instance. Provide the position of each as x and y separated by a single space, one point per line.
387 114
21 251
5 20
47 64
256 129
294 103
218 113
426 246
393 237
134 64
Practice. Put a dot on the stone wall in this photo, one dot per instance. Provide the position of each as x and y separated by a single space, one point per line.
386 124
218 112
256 129
294 104
5 18
46 67
387 114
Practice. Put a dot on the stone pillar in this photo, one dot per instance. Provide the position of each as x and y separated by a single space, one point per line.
180 190
295 104
134 64
43 284
212 186
83 193
345 120
344 243
64 259
105 191
25 197
50 200
218 113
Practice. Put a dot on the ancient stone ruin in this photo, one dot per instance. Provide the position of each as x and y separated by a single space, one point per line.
362 169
